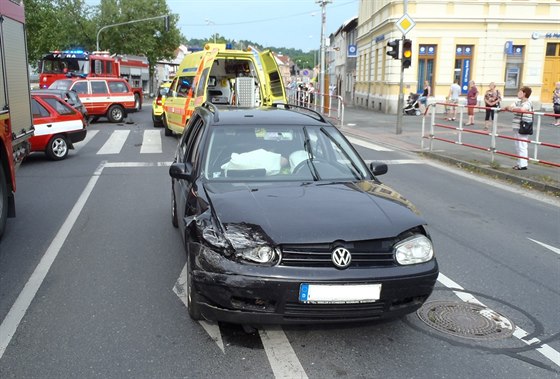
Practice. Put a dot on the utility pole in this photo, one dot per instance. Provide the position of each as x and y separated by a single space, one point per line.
166 16
323 4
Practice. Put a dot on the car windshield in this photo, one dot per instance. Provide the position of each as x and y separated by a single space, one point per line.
273 153
61 84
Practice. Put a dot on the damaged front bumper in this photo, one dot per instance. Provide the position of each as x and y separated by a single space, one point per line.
251 294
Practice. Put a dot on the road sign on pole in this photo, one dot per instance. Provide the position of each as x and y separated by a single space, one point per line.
405 24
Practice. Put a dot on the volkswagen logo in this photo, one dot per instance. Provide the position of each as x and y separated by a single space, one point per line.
341 257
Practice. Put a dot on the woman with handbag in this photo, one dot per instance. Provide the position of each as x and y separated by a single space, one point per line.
522 105
472 100
556 102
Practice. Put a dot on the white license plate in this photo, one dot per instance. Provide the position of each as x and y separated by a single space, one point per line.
339 293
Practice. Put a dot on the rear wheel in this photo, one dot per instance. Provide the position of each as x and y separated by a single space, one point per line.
137 103
3 201
115 113
57 148
168 131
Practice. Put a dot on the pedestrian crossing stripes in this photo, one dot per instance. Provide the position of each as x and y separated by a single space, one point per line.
152 143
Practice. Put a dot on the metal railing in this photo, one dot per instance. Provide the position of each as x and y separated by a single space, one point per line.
495 138
333 107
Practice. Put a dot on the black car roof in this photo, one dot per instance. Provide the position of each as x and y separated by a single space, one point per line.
262 116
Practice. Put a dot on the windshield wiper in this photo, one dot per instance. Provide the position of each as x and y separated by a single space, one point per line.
357 173
307 146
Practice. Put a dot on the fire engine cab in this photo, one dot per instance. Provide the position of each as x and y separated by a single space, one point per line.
61 64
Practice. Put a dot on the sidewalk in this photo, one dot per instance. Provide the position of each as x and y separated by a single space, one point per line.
378 127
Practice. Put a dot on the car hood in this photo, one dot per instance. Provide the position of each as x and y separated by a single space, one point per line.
312 213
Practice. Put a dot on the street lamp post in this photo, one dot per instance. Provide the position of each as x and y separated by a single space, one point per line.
210 22
126 23
323 4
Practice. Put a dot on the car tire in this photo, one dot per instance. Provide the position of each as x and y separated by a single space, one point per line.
3 201
57 148
137 102
115 113
192 296
174 219
167 131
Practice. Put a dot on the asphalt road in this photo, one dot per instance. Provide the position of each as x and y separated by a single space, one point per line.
93 238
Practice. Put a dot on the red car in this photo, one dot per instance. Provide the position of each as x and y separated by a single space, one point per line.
57 126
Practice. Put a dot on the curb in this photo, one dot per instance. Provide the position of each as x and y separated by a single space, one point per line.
524 182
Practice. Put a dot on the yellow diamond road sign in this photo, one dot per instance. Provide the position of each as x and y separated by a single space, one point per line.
405 24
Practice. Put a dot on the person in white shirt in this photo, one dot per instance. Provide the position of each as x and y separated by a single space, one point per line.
453 98
522 105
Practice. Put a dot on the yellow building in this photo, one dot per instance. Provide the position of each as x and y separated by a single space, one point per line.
512 43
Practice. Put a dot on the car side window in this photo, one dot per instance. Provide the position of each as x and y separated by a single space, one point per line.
117 87
99 87
194 142
173 87
80 87
184 85
202 82
59 106
38 109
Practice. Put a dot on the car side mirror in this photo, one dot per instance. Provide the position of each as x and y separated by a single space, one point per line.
378 168
181 171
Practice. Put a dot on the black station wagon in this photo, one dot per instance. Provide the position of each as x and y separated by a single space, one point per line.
283 222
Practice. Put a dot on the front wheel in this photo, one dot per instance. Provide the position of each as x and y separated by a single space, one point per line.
192 296
174 219
115 113
3 201
57 148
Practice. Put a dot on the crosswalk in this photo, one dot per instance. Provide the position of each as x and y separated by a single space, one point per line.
152 142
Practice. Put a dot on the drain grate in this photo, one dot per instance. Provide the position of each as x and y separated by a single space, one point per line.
465 320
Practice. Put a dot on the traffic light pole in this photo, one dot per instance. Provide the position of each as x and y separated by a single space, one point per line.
400 103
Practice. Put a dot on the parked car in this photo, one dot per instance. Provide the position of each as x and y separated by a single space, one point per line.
109 97
57 126
70 96
283 222
157 105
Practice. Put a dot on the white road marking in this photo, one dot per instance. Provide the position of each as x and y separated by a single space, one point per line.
89 136
19 308
281 355
137 164
368 145
211 328
396 161
543 348
551 248
115 142
151 143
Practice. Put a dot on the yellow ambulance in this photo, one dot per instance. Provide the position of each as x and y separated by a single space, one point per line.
222 76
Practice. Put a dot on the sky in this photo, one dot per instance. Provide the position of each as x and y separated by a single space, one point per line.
277 23
271 23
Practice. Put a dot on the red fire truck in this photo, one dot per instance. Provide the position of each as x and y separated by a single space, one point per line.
79 63
16 123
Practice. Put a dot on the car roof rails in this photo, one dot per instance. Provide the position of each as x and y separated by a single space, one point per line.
299 107
212 108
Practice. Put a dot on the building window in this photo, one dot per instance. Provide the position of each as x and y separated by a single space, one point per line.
514 68
426 68
463 64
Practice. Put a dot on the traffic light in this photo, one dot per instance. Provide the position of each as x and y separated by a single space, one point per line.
166 19
394 52
406 53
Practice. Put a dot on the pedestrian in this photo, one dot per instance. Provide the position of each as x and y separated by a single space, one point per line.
556 101
522 104
472 99
453 98
425 94
492 99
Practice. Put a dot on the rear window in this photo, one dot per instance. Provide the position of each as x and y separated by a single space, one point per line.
60 106
38 110
118 87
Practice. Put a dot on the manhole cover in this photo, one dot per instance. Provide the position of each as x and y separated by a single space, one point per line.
465 320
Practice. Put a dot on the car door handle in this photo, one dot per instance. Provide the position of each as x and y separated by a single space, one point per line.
49 125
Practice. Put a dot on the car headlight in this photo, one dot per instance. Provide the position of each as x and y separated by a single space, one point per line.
260 254
413 250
